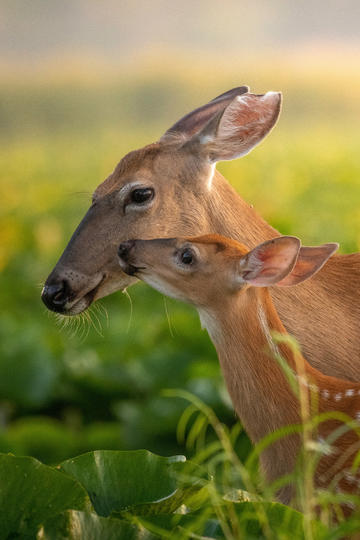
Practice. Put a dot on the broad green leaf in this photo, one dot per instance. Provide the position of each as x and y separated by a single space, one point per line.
117 481
186 499
31 492
75 525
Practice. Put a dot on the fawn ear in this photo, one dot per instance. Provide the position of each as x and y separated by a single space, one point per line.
239 127
269 262
309 261
195 121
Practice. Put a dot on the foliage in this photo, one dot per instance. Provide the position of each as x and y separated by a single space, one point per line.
70 388
97 385
124 487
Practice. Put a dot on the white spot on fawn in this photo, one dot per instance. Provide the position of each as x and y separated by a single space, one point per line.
350 477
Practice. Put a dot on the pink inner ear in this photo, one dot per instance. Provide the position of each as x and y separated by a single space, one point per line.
270 262
309 262
194 121
244 124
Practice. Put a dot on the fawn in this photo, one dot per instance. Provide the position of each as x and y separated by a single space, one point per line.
229 286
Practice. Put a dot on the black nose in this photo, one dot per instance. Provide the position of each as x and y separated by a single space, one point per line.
125 248
55 295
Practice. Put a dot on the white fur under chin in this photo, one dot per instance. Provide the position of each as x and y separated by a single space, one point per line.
210 323
162 287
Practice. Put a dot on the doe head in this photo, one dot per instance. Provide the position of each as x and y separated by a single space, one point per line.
168 188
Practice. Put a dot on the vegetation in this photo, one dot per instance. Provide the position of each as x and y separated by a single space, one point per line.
98 383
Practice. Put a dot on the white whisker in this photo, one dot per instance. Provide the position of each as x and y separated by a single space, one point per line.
97 327
168 317
131 309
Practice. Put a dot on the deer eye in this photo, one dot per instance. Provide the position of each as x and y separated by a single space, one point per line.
187 256
141 195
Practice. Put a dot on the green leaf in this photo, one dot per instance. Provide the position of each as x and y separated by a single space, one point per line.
75 525
31 492
250 520
261 519
117 481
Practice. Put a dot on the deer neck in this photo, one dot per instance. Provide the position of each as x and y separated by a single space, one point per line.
241 332
231 216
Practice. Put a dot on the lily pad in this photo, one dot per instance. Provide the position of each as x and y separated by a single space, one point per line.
75 525
31 493
117 481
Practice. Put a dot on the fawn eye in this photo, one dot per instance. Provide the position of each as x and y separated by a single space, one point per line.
141 195
187 256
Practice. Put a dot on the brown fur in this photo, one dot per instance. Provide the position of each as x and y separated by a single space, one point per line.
240 320
323 313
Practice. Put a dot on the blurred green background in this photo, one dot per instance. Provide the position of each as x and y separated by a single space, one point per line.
80 87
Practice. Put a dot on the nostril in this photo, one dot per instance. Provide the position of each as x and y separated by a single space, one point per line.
122 250
125 248
60 296
55 295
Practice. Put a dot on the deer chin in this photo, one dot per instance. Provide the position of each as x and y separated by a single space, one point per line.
107 285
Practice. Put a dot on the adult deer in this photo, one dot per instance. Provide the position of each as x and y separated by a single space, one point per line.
172 188
229 286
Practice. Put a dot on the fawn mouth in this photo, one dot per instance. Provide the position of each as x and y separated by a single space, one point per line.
131 269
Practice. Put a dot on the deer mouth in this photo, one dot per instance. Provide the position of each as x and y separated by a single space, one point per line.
80 304
131 269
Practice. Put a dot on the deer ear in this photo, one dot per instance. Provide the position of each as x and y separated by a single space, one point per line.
196 120
269 262
309 261
240 126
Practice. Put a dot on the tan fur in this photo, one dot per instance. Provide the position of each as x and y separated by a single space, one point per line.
241 320
323 313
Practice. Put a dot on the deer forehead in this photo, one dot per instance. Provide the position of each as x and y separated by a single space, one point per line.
162 164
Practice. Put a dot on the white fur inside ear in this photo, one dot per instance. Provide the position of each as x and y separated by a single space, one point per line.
245 99
249 264
205 139
228 124
238 280
273 96
245 121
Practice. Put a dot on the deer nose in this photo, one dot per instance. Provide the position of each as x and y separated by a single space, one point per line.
55 295
125 248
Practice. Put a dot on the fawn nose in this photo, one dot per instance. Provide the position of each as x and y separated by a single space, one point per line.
125 248
55 295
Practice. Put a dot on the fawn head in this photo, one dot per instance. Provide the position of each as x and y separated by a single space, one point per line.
208 269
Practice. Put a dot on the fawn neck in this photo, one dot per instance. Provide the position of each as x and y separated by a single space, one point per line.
261 394
240 329
241 332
